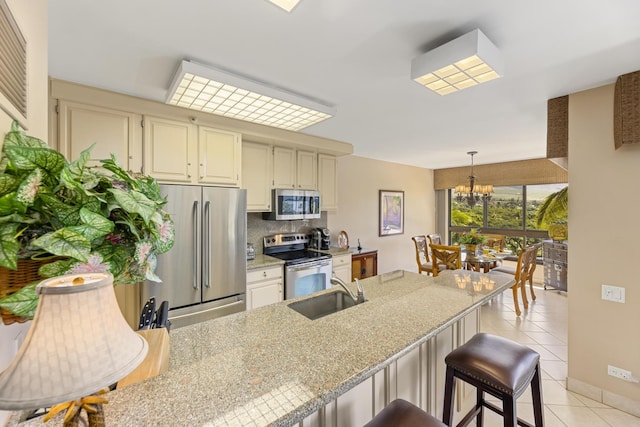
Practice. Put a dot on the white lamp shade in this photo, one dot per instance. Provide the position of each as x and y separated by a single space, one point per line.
77 344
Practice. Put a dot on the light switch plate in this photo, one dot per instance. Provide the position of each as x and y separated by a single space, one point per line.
613 293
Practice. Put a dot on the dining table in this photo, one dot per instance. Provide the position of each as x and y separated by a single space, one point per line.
483 262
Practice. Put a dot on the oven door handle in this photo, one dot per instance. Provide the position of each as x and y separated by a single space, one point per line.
307 265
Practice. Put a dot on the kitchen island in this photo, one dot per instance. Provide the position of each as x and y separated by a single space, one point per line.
273 366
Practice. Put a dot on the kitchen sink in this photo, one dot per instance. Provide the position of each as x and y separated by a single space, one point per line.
323 305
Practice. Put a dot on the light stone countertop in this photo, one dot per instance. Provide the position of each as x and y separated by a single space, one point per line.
262 261
273 366
334 251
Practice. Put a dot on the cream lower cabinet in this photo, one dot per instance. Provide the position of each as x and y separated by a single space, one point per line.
417 376
109 131
257 174
342 267
264 286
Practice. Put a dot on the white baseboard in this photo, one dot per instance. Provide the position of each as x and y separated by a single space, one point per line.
603 396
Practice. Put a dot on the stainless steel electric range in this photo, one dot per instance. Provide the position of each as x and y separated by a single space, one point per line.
306 271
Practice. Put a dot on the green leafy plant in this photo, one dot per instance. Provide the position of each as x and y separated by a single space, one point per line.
554 209
84 218
471 237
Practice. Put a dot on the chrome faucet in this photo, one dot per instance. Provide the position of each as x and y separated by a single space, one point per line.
335 280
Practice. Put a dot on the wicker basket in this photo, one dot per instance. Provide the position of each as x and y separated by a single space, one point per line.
13 280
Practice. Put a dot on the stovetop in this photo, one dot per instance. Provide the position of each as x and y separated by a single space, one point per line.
291 248
296 257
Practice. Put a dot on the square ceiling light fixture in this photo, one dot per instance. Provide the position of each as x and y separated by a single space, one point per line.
221 92
287 5
463 62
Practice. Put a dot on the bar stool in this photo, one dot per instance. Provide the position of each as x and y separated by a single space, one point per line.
497 366
401 413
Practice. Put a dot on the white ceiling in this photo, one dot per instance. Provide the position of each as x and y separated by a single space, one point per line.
356 55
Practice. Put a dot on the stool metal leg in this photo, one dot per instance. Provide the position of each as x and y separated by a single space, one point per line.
536 394
449 396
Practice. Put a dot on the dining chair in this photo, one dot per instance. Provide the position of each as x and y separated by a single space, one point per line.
434 239
493 240
448 256
532 268
526 257
422 255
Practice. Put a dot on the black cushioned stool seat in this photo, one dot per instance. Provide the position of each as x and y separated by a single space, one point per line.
497 366
401 413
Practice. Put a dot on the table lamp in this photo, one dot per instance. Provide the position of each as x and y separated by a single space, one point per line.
78 343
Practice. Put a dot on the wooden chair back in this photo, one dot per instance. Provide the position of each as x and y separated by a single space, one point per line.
434 239
493 240
422 254
450 256
524 271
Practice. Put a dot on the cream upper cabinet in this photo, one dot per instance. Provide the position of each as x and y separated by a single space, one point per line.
284 167
328 182
220 158
176 151
170 149
257 175
112 131
294 169
306 170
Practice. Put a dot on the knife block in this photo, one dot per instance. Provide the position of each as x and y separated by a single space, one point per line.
157 360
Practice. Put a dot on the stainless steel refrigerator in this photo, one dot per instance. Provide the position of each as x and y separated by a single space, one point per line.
204 275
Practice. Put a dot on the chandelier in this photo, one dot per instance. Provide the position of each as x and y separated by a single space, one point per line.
473 192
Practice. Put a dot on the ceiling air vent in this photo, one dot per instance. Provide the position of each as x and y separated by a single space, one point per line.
13 67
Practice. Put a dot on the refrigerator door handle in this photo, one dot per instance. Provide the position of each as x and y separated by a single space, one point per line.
194 214
207 257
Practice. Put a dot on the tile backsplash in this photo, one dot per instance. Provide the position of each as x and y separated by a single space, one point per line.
257 227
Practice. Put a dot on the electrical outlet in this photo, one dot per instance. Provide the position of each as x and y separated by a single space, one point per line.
613 293
620 373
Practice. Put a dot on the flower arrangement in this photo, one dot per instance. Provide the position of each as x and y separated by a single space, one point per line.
472 237
84 218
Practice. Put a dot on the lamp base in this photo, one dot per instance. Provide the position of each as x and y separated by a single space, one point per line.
96 419
73 416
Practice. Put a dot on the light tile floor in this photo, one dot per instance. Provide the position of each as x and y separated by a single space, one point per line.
543 327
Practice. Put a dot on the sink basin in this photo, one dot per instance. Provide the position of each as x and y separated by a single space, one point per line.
322 305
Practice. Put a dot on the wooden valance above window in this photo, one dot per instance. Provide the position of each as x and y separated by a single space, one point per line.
523 172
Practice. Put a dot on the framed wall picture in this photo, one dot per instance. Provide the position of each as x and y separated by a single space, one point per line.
391 213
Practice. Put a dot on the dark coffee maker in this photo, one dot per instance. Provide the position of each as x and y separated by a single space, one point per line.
320 238
325 238
315 238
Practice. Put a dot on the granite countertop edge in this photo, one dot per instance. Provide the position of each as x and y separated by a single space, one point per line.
238 363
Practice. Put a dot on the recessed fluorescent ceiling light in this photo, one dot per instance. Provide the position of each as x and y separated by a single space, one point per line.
463 62
216 91
287 5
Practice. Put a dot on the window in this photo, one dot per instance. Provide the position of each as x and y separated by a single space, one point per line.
511 211
13 68
504 210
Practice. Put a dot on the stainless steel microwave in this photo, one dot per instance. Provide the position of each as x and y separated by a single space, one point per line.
289 204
